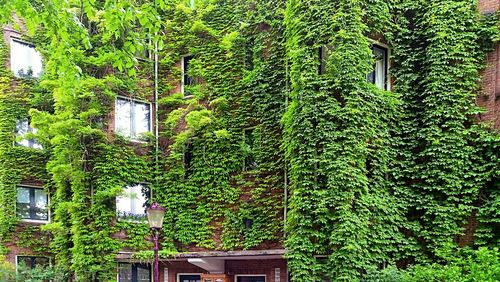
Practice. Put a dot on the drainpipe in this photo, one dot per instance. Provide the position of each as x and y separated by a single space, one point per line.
156 111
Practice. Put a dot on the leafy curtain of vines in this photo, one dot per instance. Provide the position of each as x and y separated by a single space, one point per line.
375 177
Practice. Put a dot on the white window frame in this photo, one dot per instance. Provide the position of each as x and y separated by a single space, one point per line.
178 276
148 196
247 275
388 83
31 45
48 206
133 139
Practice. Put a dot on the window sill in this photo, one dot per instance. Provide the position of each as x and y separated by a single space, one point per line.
36 221
132 220
186 97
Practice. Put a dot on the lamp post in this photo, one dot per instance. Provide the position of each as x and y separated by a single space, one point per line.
155 219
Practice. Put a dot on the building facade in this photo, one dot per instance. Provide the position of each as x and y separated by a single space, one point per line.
198 129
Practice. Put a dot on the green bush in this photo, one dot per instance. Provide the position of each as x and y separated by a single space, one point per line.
7 270
464 266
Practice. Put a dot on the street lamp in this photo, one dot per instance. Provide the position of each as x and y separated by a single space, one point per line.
155 219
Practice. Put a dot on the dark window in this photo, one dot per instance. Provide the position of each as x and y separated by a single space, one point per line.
32 262
186 79
251 279
250 144
134 272
378 75
32 203
189 278
188 157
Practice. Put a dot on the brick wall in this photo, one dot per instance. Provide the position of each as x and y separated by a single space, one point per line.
490 93
232 268
489 6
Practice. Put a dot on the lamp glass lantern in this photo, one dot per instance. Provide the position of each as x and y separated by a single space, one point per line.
155 215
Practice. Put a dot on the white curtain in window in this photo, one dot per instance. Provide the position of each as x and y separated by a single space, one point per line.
141 119
24 57
131 201
380 67
122 117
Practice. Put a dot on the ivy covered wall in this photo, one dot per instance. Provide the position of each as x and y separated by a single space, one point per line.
375 177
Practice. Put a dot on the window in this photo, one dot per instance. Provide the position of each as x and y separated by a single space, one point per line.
323 56
23 127
25 61
250 143
32 203
132 118
378 76
134 272
131 204
188 158
250 278
186 79
189 278
32 262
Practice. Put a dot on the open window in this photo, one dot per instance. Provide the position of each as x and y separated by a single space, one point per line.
23 127
132 118
32 203
25 61
131 203
251 137
187 80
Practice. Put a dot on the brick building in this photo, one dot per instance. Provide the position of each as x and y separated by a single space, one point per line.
132 117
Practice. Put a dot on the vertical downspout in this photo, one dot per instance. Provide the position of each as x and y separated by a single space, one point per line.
157 145
285 207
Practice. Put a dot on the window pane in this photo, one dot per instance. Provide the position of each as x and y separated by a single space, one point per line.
141 119
26 261
125 272
23 210
23 195
379 74
143 274
41 261
131 203
138 200
41 205
25 61
190 278
22 127
123 205
122 117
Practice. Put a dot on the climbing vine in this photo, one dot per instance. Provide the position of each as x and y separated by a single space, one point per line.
375 177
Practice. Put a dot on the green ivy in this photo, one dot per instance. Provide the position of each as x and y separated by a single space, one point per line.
375 177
